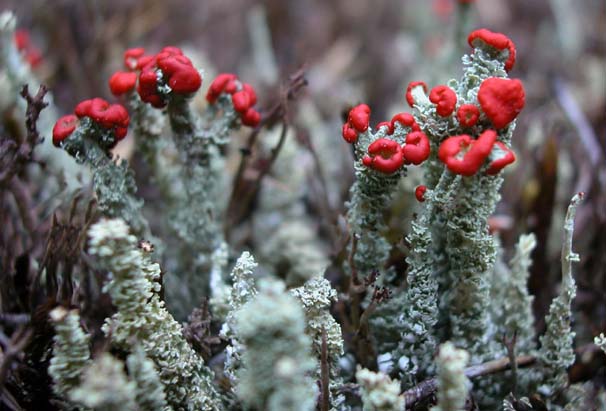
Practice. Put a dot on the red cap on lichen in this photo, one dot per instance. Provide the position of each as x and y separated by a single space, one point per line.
417 148
131 57
406 120
385 156
384 124
359 117
63 128
503 156
468 115
409 98
251 118
122 82
420 193
148 88
30 52
445 98
497 41
501 99
464 155
185 81
109 116
349 134
218 86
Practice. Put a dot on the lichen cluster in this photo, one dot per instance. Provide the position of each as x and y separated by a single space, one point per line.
300 326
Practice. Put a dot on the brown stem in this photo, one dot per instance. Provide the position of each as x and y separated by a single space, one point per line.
426 388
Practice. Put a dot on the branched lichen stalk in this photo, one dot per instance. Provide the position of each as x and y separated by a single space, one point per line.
195 216
113 182
370 196
242 291
453 385
517 302
143 319
418 344
71 351
379 392
316 296
277 359
557 352
105 386
149 391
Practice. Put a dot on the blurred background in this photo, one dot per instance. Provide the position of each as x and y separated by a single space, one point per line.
356 51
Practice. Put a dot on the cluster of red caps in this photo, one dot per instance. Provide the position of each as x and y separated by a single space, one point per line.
243 97
177 71
465 155
112 117
386 155
500 99
30 52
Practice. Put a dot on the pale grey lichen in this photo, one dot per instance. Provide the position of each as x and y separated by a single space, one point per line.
420 311
462 252
195 215
370 195
113 181
316 296
277 357
71 351
242 291
378 391
149 391
517 317
143 319
285 236
557 351
105 387
453 385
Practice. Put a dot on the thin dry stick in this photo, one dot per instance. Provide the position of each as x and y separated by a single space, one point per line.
426 388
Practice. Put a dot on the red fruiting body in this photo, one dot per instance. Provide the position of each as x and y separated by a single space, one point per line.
22 39
420 193
445 98
108 116
148 88
463 155
241 101
497 41
349 134
30 52
63 128
501 99
251 118
385 124
218 86
409 98
359 117
178 71
504 156
122 82
417 148
406 120
131 57
468 115
185 81
385 156
145 62
252 94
